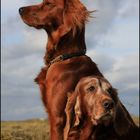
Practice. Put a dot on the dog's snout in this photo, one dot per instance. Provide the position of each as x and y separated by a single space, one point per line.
21 10
108 104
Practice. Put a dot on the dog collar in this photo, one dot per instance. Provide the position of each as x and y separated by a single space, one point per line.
66 56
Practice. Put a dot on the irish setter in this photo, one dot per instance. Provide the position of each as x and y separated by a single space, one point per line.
94 112
65 59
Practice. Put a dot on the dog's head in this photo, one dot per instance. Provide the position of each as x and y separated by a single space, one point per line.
96 100
47 14
51 14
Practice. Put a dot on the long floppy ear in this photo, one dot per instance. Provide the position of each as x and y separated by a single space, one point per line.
73 113
69 110
123 120
74 17
77 111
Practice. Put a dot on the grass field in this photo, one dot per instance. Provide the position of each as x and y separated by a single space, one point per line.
29 129
25 130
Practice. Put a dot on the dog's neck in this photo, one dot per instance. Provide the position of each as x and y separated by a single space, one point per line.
67 44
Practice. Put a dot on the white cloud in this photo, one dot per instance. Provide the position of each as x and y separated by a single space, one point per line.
35 38
122 34
125 71
129 8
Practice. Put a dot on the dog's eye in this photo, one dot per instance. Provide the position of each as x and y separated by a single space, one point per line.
91 89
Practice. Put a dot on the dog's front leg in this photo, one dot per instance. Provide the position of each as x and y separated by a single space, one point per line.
57 126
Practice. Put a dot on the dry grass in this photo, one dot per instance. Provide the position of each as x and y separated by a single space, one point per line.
29 130
25 130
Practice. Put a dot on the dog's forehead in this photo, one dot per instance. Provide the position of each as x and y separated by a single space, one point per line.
96 81
55 1
90 80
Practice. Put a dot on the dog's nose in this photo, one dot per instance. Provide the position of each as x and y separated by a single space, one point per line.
21 10
108 104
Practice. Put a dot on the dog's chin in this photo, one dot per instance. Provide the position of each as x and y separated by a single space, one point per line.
32 24
104 119
38 27
35 26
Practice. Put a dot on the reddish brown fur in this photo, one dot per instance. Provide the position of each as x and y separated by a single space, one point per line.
86 113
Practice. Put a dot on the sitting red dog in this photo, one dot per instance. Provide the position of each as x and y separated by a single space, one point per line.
94 112
65 59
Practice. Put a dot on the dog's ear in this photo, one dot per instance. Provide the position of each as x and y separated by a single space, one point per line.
69 110
123 120
75 15
73 112
77 111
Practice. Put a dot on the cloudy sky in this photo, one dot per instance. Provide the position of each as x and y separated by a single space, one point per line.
112 42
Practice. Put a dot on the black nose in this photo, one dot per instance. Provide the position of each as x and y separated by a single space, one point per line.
21 10
108 104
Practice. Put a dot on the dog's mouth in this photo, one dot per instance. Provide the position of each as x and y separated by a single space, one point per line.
105 118
32 24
